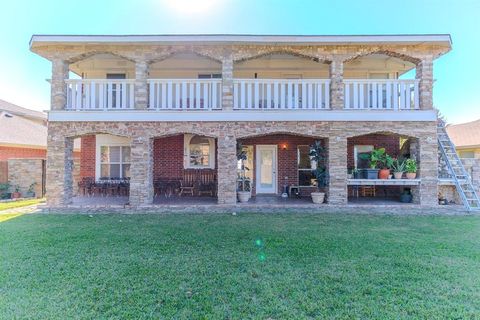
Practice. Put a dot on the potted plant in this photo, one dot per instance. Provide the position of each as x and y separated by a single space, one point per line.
16 194
398 167
406 196
317 154
4 187
31 191
243 185
411 168
378 157
356 173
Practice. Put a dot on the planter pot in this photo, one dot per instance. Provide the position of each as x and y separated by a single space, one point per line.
406 198
398 175
383 174
357 175
30 195
411 175
243 196
318 197
371 173
16 195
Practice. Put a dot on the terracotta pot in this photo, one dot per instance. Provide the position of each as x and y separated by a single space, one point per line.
398 175
16 195
383 174
318 197
411 175
243 196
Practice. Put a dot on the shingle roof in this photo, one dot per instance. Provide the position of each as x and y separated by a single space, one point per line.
465 134
20 111
18 130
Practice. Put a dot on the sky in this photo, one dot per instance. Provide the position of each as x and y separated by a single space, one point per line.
457 88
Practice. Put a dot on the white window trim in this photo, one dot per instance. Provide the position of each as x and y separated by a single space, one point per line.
98 146
186 153
355 152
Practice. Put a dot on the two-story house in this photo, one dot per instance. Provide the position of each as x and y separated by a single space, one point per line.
152 108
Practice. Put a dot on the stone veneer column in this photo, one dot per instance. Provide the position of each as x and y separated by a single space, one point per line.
58 86
428 169
337 170
336 84
59 178
141 171
227 81
141 86
227 169
424 73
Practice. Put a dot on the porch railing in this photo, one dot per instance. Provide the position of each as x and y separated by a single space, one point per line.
185 94
100 94
381 94
273 94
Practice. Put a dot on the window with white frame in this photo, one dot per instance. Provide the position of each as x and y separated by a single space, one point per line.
360 162
306 166
199 152
115 162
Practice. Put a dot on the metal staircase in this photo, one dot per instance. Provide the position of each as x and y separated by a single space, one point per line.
460 176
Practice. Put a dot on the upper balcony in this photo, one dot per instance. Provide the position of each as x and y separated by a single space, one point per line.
239 79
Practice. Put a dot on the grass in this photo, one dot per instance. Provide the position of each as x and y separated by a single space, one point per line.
247 266
19 203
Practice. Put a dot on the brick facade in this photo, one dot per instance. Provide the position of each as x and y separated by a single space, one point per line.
287 172
87 156
336 134
24 153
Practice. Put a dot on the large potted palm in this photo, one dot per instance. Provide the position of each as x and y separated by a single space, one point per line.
317 155
243 183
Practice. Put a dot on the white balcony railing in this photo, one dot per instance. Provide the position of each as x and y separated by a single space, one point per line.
273 94
381 94
100 94
185 94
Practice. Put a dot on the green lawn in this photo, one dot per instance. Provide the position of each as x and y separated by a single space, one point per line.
245 266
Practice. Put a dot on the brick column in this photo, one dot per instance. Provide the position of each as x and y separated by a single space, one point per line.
58 86
428 169
336 84
337 170
227 169
141 86
424 73
59 178
227 81
141 171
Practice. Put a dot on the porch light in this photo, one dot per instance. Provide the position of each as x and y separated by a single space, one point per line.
284 146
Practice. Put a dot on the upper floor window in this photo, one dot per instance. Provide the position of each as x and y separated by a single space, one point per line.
210 76
199 152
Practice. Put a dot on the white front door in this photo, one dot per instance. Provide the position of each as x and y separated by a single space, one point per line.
266 172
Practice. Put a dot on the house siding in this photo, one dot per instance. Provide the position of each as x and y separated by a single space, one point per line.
21 153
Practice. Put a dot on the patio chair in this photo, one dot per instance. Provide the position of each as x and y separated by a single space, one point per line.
188 183
207 184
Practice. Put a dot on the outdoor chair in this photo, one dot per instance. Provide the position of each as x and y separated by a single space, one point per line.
187 184
207 184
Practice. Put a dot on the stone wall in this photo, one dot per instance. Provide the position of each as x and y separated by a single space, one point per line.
24 172
472 166
61 134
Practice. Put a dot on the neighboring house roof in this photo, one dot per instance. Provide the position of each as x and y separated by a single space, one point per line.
20 131
20 111
465 135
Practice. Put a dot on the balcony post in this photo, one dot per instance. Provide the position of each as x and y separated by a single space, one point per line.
141 171
141 87
227 169
58 86
336 84
424 74
227 81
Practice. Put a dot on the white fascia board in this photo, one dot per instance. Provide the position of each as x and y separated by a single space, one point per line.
229 116
240 39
